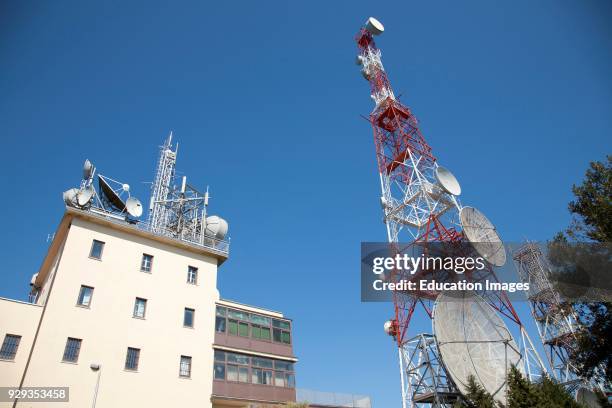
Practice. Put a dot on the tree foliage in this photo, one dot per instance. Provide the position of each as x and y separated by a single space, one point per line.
592 220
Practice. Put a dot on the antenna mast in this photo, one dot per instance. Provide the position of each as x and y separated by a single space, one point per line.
420 205
162 186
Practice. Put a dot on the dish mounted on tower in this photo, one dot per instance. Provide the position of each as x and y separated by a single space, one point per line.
181 211
421 205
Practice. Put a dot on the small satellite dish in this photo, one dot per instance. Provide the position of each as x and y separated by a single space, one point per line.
359 60
389 329
474 341
482 235
110 194
133 207
374 26
216 227
70 197
85 195
87 170
447 181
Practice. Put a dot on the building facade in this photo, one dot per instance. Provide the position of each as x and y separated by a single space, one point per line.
125 317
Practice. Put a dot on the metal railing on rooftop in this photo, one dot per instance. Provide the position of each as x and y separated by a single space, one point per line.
196 239
332 399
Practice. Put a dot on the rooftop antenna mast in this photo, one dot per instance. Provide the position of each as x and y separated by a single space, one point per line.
162 186
419 199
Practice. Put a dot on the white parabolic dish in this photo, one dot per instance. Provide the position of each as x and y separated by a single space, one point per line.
482 235
473 340
133 207
447 181
374 26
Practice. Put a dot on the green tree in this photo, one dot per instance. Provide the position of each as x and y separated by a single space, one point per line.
476 396
553 395
592 221
521 392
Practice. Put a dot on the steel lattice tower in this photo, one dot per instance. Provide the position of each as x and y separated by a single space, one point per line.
416 210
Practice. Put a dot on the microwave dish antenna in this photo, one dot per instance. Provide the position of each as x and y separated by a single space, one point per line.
474 341
483 236
85 195
447 181
133 206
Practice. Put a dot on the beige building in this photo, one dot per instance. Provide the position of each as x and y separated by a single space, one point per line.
128 318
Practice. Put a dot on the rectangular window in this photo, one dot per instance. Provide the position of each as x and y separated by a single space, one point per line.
219 355
237 358
219 371
140 307
232 373
147 263
220 324
188 317
243 374
192 275
279 379
185 367
72 350
232 326
85 296
9 347
281 324
131 359
281 336
243 329
221 311
96 249
258 332
290 380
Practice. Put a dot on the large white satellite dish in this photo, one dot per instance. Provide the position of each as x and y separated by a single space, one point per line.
133 206
374 26
473 340
447 181
216 227
85 195
482 235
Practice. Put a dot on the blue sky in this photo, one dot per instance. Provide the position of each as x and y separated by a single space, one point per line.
264 98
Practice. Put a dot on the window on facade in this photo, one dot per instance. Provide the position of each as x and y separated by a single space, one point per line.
192 275
188 317
85 296
131 358
185 366
239 323
72 350
265 371
147 263
220 324
140 307
9 347
96 249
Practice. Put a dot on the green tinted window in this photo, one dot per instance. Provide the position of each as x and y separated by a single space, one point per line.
243 329
256 332
232 327
264 321
221 311
265 333
237 315
286 337
281 324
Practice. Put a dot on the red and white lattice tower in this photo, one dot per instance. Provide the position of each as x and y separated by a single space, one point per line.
416 209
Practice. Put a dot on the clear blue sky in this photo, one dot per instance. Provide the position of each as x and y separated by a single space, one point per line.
264 97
